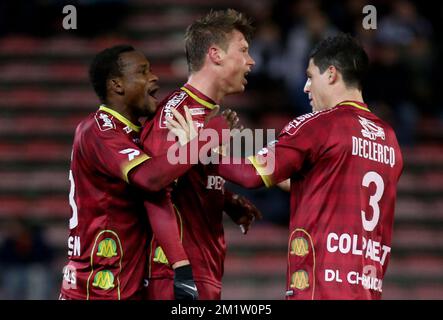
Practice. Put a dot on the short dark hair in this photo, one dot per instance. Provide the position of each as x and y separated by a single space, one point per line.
104 66
346 55
213 29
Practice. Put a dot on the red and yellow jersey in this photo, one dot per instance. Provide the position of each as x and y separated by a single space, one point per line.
109 229
344 165
198 196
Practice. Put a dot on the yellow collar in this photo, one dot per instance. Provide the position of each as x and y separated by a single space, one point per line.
199 100
120 118
353 104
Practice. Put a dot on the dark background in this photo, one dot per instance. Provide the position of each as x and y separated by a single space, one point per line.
44 93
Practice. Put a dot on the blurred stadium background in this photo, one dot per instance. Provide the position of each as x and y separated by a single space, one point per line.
44 93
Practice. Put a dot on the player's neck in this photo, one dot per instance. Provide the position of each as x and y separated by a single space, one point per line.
346 95
122 109
206 83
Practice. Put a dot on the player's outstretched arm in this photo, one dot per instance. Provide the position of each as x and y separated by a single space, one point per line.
157 172
243 174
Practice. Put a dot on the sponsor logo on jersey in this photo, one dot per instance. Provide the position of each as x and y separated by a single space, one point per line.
132 153
264 151
69 277
215 183
299 247
104 280
104 122
198 124
173 102
159 256
292 126
300 280
74 246
107 248
371 130
197 111
127 129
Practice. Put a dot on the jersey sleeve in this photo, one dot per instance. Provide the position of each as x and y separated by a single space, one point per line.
298 146
113 153
164 225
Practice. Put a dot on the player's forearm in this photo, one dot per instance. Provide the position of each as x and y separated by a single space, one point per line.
164 226
243 174
158 172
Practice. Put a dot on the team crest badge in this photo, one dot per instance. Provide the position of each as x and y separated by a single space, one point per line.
371 130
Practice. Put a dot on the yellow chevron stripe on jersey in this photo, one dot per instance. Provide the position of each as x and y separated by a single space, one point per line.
120 117
266 178
199 100
92 262
181 221
151 246
132 164
313 255
356 105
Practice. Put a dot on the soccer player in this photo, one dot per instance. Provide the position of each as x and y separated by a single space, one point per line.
113 181
344 164
218 60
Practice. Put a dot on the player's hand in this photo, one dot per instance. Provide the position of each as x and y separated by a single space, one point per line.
242 212
184 285
232 119
212 114
185 130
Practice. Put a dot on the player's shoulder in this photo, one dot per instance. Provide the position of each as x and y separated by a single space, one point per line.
177 100
310 120
99 124
372 126
104 121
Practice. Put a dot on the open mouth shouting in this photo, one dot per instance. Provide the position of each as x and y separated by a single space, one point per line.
152 92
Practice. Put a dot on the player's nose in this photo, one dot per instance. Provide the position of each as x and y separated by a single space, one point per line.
307 88
250 61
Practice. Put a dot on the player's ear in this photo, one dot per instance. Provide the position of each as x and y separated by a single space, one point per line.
116 85
215 54
332 74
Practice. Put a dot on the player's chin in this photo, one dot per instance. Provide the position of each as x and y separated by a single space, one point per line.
150 108
313 105
240 88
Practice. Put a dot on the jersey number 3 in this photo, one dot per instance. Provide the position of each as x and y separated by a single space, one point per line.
373 177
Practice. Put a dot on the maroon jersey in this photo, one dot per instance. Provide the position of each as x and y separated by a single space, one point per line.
344 164
198 196
109 229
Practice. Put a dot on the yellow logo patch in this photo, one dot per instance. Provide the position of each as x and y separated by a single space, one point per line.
104 280
300 280
159 256
107 248
299 247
